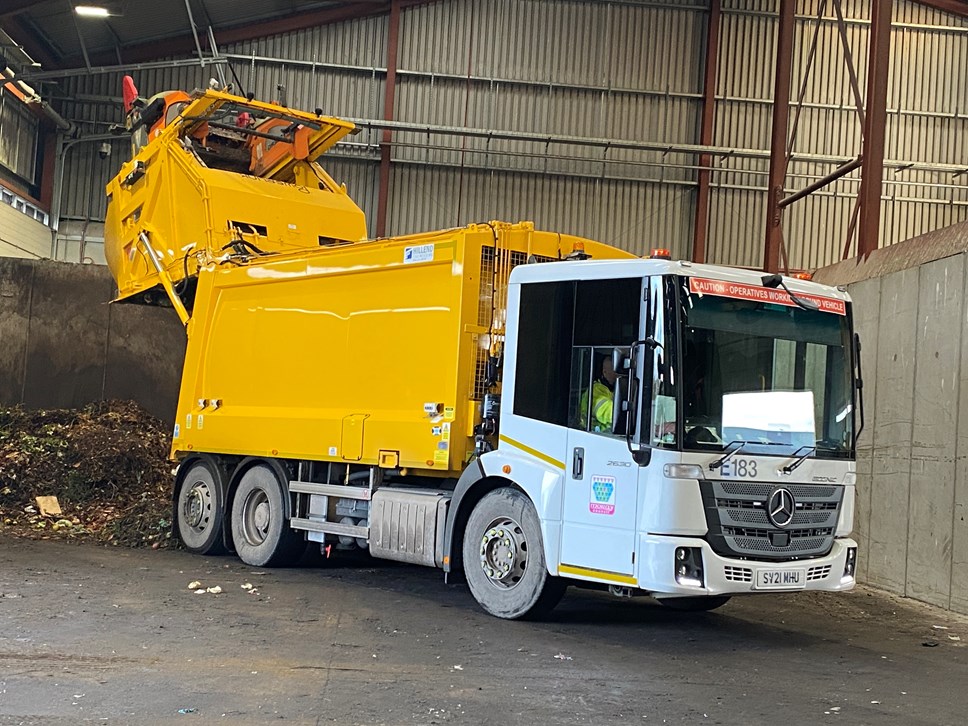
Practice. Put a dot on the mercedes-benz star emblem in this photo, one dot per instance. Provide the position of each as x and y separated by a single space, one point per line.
780 508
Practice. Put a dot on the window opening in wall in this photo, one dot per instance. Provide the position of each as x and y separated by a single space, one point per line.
24 206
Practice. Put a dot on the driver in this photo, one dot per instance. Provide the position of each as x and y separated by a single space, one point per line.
601 395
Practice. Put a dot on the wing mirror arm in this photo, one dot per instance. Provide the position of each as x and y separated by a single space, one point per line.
624 398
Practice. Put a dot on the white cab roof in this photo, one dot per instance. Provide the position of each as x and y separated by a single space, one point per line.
605 269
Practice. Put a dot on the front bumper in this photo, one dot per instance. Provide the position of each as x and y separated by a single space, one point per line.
728 576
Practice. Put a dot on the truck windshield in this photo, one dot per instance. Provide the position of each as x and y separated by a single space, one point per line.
774 376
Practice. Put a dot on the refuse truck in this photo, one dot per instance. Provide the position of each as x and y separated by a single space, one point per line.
523 409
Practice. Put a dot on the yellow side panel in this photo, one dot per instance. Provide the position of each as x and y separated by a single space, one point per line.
332 356
365 353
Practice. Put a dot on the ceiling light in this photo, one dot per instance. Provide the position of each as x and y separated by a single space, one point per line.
91 11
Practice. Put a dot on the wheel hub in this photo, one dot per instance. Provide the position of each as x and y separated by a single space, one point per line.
197 505
503 552
262 516
256 514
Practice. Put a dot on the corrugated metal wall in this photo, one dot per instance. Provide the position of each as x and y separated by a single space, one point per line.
18 137
925 120
628 70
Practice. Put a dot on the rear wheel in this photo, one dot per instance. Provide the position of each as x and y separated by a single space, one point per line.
200 510
694 604
504 558
260 529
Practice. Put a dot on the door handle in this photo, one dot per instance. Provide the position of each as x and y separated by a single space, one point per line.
578 463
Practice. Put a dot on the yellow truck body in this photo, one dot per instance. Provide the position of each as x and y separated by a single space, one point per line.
371 353
306 340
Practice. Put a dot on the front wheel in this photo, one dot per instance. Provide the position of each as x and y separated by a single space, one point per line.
694 604
260 528
504 558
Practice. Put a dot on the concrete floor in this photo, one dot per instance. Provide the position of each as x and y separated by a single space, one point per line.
89 634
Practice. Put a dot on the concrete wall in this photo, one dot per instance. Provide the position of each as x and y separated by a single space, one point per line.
63 345
912 483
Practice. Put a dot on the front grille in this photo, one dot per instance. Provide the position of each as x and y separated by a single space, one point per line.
738 574
818 573
739 527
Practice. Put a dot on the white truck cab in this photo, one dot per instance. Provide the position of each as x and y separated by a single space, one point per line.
680 429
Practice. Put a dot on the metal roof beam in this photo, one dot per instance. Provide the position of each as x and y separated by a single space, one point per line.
116 68
955 7
15 7
185 43
33 42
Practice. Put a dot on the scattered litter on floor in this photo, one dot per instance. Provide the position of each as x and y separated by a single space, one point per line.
48 506
214 590
247 586
187 710
194 585
458 667
940 627
930 644
562 656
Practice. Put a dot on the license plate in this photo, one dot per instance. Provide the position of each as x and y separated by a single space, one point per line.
781 579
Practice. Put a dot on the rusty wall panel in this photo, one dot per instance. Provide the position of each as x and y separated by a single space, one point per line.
16 278
68 335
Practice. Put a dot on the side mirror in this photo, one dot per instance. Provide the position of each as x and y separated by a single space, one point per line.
620 406
621 363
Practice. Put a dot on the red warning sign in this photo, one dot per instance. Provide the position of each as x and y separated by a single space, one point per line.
757 293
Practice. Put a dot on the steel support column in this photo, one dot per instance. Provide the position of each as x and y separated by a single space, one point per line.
875 123
48 169
706 131
389 94
778 144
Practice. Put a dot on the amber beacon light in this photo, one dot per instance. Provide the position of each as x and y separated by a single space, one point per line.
660 254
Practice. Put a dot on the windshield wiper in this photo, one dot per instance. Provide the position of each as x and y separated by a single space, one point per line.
742 444
790 468
777 281
726 457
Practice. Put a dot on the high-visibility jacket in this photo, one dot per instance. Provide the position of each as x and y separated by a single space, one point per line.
601 407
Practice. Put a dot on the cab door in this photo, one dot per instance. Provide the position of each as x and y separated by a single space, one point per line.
601 480
600 502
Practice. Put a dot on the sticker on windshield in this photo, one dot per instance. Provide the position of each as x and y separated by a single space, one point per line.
741 291
602 500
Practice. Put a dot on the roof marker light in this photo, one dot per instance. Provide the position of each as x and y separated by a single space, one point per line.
660 254
803 276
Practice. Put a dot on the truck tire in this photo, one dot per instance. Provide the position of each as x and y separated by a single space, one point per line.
694 604
260 529
504 560
200 510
